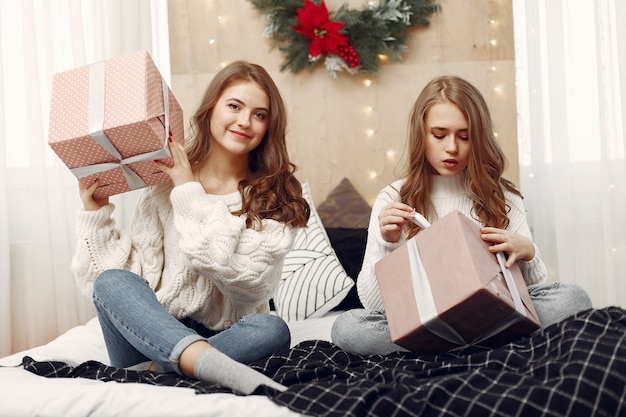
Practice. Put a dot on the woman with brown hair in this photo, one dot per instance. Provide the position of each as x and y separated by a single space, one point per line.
187 289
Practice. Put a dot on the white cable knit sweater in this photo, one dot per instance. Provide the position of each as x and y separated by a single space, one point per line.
448 194
202 261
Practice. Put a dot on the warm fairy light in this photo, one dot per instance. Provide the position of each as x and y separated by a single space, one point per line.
211 41
498 90
367 82
493 42
370 132
391 154
369 109
493 68
373 175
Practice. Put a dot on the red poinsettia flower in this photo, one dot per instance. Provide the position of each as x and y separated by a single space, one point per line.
324 34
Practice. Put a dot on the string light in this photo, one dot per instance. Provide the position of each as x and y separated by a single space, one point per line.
492 36
367 82
492 42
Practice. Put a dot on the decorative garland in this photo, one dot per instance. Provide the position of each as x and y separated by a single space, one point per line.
346 40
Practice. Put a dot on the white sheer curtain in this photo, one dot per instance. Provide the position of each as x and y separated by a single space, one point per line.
38 195
571 88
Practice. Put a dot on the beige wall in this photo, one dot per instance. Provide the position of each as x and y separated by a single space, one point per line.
328 118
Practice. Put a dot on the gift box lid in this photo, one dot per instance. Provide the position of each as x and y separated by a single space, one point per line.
132 92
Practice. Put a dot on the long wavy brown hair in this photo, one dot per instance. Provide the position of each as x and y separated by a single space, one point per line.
273 191
483 176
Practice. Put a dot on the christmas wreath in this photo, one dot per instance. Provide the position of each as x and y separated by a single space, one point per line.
348 39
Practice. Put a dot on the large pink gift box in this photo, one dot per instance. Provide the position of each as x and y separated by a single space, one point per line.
444 290
109 121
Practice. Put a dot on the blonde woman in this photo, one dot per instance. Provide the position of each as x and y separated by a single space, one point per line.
455 163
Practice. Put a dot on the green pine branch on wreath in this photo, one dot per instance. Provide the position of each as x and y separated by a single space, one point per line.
348 40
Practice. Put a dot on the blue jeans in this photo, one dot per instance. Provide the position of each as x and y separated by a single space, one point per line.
366 332
137 328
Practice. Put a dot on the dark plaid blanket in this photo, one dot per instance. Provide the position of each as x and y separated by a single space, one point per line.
573 368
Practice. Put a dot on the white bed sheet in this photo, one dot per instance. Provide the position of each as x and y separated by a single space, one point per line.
24 394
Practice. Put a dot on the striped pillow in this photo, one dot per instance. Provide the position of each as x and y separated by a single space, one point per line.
313 280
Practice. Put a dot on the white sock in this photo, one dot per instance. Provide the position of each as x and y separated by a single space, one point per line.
215 367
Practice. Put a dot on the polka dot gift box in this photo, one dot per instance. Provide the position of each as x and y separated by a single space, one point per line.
109 121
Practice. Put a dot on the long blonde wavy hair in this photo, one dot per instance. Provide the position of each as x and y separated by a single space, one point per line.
483 176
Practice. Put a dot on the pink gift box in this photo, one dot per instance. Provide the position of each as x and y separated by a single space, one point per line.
109 121
443 290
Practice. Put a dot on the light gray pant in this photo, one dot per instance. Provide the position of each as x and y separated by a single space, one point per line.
366 332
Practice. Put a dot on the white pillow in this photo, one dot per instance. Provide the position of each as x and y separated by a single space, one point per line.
313 280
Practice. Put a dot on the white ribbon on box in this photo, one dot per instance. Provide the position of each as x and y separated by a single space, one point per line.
426 302
96 131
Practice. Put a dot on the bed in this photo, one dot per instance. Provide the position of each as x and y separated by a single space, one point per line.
574 368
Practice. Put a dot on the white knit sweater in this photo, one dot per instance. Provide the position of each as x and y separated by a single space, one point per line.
201 261
448 194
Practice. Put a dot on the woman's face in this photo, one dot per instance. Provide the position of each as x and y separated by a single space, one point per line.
447 140
240 118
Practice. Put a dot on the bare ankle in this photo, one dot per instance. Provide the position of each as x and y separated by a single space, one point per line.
188 358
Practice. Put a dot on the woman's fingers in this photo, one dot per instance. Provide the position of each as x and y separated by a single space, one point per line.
86 196
180 172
